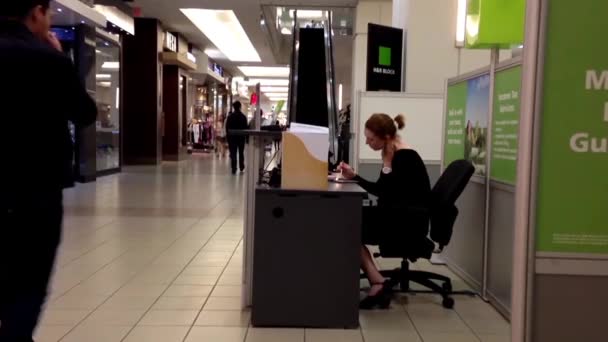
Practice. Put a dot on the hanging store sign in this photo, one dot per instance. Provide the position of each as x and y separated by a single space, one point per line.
170 42
384 58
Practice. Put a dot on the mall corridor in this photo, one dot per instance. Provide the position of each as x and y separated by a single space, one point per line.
154 254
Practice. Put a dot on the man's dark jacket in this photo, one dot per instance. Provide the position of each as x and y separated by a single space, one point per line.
236 121
40 91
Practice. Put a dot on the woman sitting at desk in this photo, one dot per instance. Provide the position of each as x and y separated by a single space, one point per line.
404 182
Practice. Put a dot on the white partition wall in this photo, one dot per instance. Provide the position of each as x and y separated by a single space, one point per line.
424 117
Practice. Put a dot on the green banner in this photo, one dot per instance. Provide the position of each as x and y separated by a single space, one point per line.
454 123
494 23
572 200
505 124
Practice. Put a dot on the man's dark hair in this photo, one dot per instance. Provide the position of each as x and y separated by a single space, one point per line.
19 9
237 105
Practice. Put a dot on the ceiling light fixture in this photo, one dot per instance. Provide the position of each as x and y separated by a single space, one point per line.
110 65
224 30
214 53
461 20
257 71
103 76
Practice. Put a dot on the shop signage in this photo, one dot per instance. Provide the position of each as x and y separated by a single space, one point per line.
466 127
170 42
191 57
492 23
572 194
217 69
384 58
505 125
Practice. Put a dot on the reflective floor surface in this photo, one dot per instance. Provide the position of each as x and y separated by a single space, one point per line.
154 254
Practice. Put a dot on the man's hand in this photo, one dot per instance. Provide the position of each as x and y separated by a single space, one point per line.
54 42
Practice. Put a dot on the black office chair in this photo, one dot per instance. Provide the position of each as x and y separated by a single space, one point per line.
413 243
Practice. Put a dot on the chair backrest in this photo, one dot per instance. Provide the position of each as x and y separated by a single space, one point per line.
445 193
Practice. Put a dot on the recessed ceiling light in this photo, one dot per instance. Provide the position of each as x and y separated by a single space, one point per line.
104 84
224 30
110 65
214 53
257 71
103 76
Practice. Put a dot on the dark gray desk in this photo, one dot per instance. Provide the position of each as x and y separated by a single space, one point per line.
306 259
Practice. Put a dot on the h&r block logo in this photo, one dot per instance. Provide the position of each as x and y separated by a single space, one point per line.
385 58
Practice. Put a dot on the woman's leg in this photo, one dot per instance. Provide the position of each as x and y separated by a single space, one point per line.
369 267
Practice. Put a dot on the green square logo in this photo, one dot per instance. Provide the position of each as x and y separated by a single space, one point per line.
385 56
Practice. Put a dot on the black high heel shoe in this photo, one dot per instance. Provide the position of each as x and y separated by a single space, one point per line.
382 299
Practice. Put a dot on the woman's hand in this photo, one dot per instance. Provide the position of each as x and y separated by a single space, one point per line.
347 171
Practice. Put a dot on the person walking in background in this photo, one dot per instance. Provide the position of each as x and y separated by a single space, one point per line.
236 143
32 183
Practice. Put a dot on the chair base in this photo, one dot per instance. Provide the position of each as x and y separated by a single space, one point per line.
436 283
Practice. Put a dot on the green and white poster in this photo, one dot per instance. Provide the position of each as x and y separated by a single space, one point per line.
572 200
505 125
466 127
454 124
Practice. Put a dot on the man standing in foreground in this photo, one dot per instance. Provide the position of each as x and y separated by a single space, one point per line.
40 91
236 121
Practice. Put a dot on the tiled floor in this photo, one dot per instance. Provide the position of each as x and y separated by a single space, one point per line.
155 255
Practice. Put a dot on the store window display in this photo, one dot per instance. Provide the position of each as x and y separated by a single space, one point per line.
108 105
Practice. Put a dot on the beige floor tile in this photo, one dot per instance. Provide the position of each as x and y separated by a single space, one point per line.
179 303
115 317
235 280
227 291
219 334
495 338
390 336
169 317
51 333
157 334
490 326
188 291
223 303
78 302
196 280
385 320
274 335
202 271
224 318
330 335
63 317
448 337
141 290
97 333
128 303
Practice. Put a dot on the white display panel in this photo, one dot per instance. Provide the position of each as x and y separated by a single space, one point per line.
424 121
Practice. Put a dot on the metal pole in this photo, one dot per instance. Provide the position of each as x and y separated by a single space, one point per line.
524 239
253 167
495 53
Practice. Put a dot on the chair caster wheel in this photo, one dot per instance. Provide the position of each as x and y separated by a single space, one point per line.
447 287
448 303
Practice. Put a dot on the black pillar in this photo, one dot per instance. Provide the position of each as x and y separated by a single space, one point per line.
142 90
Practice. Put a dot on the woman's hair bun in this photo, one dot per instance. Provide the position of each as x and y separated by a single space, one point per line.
400 120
